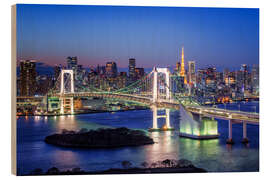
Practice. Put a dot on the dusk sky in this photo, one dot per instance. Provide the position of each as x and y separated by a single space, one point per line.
152 35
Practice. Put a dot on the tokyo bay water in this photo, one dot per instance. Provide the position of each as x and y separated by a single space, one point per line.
213 155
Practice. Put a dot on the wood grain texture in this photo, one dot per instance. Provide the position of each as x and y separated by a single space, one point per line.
13 91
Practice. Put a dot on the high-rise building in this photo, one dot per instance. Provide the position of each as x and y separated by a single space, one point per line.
183 71
57 71
28 77
191 72
177 69
111 69
139 73
131 68
244 67
255 78
225 74
72 62
122 80
244 70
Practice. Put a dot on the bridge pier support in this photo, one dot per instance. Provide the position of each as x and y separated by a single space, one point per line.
168 119
245 139
72 106
229 140
61 105
155 127
200 117
167 126
66 103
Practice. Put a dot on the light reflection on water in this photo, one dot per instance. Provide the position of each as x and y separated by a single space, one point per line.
213 155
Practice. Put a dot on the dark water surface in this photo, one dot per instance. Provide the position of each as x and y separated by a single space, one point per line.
212 155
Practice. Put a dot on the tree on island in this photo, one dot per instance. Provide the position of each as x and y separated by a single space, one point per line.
144 164
166 163
154 165
37 171
184 163
83 130
53 171
126 164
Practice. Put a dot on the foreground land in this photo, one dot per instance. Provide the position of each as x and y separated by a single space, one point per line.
166 166
101 138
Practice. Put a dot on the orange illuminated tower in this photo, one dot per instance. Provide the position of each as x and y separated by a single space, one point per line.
182 72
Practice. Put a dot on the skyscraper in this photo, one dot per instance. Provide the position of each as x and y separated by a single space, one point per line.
255 78
225 74
244 70
178 66
139 72
183 72
191 72
111 69
57 70
28 77
72 62
131 68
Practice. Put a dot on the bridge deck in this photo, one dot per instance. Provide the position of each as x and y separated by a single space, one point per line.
225 114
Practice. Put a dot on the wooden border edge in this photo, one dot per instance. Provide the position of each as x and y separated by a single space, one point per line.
13 91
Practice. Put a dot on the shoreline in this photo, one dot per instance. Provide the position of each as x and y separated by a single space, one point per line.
93 112
135 170
165 166
143 108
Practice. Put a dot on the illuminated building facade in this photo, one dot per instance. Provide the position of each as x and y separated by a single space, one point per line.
178 66
139 73
72 62
28 77
191 72
131 68
255 79
244 70
111 69
57 70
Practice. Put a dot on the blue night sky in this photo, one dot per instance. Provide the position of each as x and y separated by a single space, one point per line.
222 37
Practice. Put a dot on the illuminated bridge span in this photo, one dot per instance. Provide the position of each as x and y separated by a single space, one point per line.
236 116
153 90
158 89
231 116
171 104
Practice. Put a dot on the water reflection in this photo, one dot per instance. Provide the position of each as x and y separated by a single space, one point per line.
67 122
165 147
65 157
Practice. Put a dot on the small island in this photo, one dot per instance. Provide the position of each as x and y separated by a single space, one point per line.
100 138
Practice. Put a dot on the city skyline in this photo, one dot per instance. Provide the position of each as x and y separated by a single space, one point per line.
119 38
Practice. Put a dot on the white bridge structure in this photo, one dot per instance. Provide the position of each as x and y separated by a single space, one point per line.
153 90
